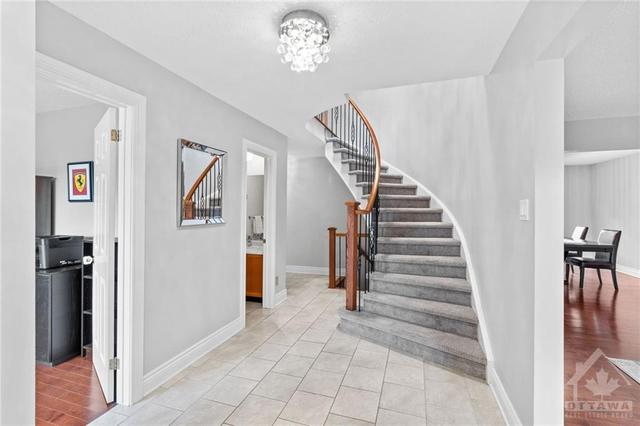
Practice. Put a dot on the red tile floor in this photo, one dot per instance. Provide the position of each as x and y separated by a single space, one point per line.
597 317
68 393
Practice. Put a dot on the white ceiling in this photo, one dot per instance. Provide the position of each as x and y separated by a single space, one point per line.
228 48
594 157
603 72
52 98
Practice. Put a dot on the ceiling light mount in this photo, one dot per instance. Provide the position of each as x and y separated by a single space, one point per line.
304 35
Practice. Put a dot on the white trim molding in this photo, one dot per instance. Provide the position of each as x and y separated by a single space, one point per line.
161 374
270 224
131 211
502 398
312 270
634 272
281 296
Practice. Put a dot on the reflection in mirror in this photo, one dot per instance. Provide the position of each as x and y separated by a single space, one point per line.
200 181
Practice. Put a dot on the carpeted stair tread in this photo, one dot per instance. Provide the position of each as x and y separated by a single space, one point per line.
444 283
410 209
389 185
402 197
442 309
415 225
419 241
362 172
423 260
462 347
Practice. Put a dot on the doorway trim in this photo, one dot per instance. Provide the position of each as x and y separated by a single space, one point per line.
131 212
270 190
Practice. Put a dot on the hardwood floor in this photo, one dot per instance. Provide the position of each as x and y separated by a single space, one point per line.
601 318
69 393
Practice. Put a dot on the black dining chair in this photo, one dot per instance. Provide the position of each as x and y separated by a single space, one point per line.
602 260
579 233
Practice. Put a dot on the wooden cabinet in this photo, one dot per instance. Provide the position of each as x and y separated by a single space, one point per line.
254 276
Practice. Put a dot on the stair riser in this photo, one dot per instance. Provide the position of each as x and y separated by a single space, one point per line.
408 203
466 366
387 190
421 269
424 319
360 166
421 292
338 145
417 232
348 156
411 216
419 249
361 177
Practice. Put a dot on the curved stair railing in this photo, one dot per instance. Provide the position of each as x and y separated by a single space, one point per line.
203 200
353 137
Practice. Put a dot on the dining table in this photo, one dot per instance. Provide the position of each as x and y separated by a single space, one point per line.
581 246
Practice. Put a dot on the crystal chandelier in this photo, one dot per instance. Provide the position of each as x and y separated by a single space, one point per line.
303 40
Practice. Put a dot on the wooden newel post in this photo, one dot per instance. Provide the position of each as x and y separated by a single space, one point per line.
332 257
351 285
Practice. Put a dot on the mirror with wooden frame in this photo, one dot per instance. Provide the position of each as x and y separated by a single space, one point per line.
200 184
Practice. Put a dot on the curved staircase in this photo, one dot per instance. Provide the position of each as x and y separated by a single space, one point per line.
417 299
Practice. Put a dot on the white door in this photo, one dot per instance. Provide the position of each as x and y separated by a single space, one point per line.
105 191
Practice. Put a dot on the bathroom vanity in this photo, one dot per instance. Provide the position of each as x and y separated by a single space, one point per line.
254 271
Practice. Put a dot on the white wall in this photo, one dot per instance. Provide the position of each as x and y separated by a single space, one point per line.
255 196
315 202
603 134
62 137
577 200
616 205
192 275
607 196
471 143
17 213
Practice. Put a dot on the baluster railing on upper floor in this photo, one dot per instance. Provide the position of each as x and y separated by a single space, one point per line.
352 136
203 200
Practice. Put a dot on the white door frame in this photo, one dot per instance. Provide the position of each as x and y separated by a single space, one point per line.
270 191
131 212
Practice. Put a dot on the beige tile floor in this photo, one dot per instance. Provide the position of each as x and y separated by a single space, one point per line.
292 366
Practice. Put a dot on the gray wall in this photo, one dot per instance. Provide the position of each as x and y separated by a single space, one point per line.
315 202
63 137
255 196
475 143
577 200
17 213
607 195
192 276
602 134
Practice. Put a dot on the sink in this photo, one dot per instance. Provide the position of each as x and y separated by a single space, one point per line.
255 247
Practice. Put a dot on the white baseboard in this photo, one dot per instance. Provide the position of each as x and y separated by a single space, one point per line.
315 270
506 407
281 296
629 271
155 378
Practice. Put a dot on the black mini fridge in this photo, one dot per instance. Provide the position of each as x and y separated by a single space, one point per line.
58 314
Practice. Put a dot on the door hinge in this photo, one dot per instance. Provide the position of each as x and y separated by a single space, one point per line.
114 364
115 135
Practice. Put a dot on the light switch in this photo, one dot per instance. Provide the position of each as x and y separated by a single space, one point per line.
524 209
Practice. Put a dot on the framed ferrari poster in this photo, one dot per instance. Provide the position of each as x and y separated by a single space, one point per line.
80 181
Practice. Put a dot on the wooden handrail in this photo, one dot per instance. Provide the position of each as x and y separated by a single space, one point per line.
347 125
198 181
373 194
